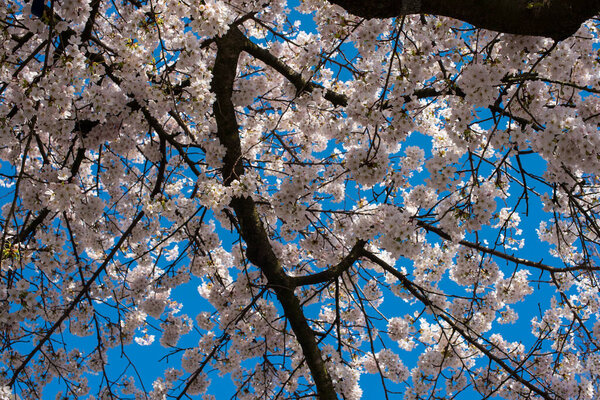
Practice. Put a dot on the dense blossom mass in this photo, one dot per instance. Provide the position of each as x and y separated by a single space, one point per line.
295 199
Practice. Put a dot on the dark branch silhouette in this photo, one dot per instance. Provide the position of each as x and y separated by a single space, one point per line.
556 19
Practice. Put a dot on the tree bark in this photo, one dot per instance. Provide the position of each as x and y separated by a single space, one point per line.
556 19
258 247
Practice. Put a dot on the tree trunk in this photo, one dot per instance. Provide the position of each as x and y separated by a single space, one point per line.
556 19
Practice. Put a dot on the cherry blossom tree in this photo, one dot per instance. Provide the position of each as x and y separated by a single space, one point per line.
405 190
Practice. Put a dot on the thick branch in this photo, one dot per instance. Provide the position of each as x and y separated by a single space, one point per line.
258 247
333 272
557 19
294 77
224 72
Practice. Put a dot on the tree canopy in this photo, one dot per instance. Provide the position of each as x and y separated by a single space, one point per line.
406 190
